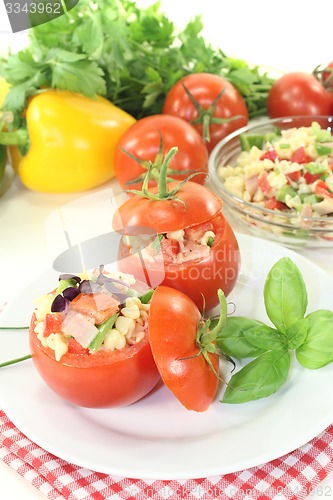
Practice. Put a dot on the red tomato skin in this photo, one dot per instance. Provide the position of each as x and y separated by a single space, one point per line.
274 204
205 87
143 140
298 94
191 380
199 205
200 278
100 380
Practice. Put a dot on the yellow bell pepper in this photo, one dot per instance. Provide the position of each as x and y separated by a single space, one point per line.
72 141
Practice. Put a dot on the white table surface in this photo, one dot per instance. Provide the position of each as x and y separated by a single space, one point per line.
269 33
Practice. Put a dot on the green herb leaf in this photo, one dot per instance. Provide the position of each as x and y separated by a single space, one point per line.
75 72
232 339
258 379
266 338
297 332
317 349
285 294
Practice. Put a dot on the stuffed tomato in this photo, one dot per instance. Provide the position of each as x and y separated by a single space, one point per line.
89 340
179 238
99 342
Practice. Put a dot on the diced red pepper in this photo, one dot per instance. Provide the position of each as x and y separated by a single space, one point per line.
274 204
263 183
195 233
169 248
299 156
270 154
322 189
75 348
52 324
310 178
294 176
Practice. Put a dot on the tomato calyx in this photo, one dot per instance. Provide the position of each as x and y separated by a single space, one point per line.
206 116
163 193
324 74
206 335
153 167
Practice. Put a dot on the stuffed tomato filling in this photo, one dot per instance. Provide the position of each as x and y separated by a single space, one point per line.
176 247
92 312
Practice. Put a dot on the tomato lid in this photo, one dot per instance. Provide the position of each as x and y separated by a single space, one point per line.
173 322
193 204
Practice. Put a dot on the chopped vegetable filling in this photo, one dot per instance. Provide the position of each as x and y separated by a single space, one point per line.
88 322
290 171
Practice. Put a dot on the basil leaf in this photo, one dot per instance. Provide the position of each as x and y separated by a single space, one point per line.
317 349
258 379
297 332
285 294
266 338
232 339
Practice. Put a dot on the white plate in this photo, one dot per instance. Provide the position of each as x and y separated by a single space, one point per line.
157 438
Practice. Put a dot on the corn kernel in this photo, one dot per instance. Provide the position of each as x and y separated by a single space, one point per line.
55 341
133 301
114 340
123 324
131 312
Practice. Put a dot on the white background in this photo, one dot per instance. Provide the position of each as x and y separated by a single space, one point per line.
289 35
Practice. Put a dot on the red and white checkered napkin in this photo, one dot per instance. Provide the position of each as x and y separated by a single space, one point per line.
292 476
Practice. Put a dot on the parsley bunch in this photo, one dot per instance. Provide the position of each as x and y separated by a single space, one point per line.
130 55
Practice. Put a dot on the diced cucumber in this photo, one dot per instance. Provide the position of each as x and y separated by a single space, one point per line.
247 141
284 191
316 168
323 150
311 199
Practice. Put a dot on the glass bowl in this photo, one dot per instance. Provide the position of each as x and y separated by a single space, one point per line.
287 228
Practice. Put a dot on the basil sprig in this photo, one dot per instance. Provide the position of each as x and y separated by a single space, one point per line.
309 337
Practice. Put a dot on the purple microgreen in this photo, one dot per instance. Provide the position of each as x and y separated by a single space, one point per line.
59 303
88 287
68 277
70 293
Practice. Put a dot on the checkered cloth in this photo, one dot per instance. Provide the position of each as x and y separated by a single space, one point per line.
293 476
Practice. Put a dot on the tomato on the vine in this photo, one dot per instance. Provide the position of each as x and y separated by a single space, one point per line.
147 141
298 93
193 248
209 103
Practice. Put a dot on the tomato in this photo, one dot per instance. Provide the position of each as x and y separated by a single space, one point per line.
173 324
213 116
270 154
300 94
299 156
99 380
143 141
327 76
199 277
274 204
52 323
